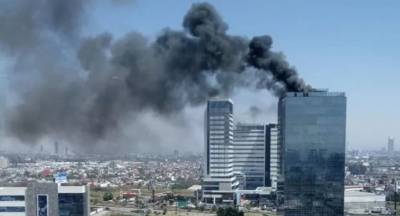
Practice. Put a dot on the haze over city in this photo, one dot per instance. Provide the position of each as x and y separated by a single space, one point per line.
199 108
332 45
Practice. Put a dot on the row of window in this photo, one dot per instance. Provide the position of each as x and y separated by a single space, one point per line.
249 149
12 209
71 204
12 198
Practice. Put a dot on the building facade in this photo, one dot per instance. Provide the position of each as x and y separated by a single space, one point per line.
73 200
251 155
312 134
12 201
390 147
44 199
219 180
274 164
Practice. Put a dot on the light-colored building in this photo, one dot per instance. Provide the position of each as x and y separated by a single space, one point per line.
219 180
275 161
4 163
12 201
47 199
237 157
390 147
251 155
364 203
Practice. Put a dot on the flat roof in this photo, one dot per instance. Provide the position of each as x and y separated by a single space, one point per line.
315 93
220 99
362 197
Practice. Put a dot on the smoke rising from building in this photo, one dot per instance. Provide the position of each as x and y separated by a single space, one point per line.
82 90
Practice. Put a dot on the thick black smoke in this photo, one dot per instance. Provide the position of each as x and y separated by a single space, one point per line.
260 56
121 78
24 25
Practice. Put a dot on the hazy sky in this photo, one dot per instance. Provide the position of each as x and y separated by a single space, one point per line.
350 46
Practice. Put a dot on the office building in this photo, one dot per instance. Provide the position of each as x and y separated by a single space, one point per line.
251 155
274 164
313 133
44 199
390 147
219 180
12 201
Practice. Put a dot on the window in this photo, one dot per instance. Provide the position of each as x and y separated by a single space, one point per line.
12 198
42 205
71 204
12 209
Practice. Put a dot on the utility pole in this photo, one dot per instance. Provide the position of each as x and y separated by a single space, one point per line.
395 197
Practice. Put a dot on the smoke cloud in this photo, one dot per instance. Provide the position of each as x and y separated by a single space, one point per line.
26 24
86 93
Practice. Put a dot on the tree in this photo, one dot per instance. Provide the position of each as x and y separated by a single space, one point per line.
108 196
357 169
230 211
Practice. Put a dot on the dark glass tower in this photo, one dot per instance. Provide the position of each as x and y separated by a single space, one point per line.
313 134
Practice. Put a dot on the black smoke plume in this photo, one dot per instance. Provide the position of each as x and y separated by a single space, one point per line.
85 93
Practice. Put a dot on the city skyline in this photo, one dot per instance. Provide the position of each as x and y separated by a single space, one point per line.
199 107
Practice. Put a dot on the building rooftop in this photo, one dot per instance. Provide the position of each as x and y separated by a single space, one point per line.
220 99
360 196
315 93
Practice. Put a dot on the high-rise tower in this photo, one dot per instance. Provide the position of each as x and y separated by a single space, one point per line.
390 147
313 133
219 180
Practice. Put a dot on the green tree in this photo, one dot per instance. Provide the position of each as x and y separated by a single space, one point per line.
108 196
357 169
230 211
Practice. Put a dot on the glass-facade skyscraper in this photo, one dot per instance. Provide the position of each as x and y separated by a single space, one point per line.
312 134
251 155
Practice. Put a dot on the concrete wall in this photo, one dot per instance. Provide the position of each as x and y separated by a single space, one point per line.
49 189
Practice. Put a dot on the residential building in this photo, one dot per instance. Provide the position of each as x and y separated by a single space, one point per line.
312 134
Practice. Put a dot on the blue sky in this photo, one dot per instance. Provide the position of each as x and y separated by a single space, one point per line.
350 46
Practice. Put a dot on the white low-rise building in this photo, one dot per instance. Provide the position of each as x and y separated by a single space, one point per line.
363 203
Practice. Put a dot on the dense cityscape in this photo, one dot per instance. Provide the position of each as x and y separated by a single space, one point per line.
369 180
188 108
